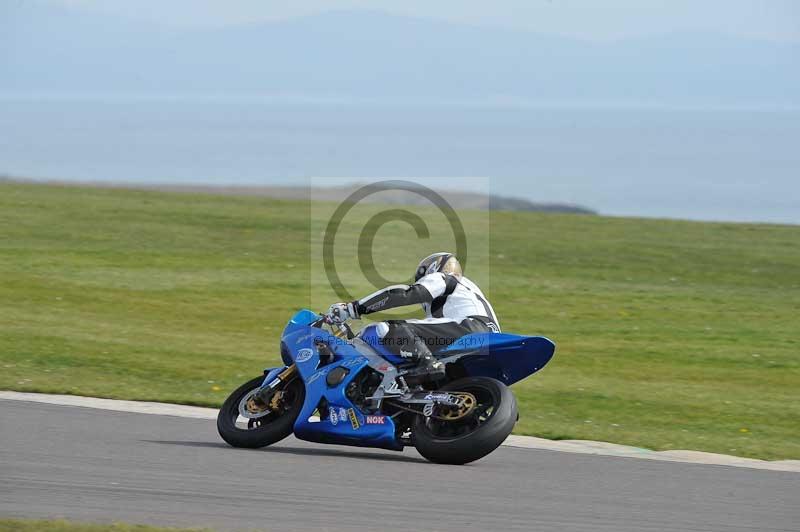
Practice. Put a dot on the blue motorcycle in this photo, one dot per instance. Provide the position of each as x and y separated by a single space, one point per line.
340 388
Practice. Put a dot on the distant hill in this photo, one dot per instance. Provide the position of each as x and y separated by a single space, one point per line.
371 56
458 200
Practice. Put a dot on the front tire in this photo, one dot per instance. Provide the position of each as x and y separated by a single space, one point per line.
271 428
465 441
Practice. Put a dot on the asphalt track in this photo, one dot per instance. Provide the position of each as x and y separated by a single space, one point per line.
95 465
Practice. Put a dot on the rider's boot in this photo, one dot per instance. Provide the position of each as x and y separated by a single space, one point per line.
428 368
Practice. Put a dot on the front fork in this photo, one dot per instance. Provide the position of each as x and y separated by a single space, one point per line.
268 389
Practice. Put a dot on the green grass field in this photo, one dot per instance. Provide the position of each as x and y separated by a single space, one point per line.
671 335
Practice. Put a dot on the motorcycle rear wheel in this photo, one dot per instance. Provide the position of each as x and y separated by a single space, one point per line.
471 439
261 432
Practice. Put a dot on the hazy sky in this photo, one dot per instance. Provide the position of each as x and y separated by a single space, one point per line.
588 19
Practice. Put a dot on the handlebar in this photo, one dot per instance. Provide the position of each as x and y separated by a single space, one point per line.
340 328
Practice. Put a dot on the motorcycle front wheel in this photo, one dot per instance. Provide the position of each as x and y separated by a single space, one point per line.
463 441
241 427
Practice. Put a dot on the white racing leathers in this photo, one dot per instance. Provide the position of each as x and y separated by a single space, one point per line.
454 307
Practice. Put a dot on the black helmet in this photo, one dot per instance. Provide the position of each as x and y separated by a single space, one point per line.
438 262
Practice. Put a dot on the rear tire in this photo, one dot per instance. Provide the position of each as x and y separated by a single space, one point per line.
459 442
270 429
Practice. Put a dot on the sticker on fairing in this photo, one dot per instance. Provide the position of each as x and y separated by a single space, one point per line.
304 355
353 419
304 338
317 375
353 362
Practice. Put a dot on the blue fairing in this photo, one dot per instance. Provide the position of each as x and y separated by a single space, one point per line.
342 422
302 319
506 357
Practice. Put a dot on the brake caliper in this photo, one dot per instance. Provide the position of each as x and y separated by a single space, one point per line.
255 406
276 403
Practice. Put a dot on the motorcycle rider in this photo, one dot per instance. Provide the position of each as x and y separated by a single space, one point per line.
454 305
